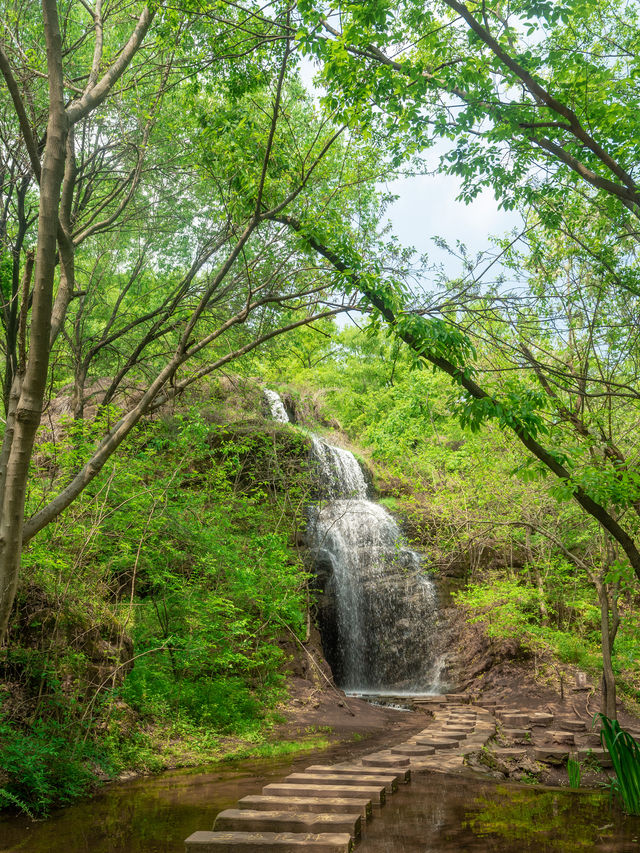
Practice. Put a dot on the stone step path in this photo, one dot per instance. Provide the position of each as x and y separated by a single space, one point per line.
325 807
552 738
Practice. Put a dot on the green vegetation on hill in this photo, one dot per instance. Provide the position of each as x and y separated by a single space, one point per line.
151 618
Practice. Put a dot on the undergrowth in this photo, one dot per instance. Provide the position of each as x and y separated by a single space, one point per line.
148 628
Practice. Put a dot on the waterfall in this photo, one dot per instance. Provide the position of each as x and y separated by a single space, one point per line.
380 612
276 406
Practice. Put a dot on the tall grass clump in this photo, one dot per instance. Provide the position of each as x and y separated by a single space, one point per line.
573 771
625 757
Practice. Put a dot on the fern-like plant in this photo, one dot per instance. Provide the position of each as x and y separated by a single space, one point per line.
625 757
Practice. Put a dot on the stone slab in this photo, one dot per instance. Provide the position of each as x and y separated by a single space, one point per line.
382 773
279 842
389 783
415 750
561 737
539 718
517 734
572 725
255 820
395 761
551 754
509 752
375 793
437 743
316 805
515 721
601 755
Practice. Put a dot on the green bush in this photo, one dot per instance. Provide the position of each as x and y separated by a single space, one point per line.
44 768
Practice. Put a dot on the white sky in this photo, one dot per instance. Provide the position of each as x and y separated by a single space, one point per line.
427 207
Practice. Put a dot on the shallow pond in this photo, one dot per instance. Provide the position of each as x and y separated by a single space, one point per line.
434 813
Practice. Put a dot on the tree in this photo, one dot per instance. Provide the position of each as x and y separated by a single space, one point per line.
47 155
192 293
532 114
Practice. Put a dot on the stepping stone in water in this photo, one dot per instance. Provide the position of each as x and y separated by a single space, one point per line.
390 783
315 805
279 842
375 793
400 776
392 761
252 820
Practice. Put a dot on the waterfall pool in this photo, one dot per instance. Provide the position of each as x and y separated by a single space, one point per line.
434 813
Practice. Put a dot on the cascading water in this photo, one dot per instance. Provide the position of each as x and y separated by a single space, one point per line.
379 630
276 406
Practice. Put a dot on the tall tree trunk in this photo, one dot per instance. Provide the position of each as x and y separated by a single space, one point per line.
608 703
20 434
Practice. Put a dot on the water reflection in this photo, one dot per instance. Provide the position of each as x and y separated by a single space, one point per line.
434 813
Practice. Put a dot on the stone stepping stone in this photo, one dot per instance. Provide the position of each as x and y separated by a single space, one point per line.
561 737
310 788
517 734
254 820
430 700
515 721
389 782
456 732
279 842
458 697
434 743
551 754
399 775
391 761
315 805
540 718
414 750
508 752
572 725
601 755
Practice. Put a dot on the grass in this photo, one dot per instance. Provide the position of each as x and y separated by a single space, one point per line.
573 771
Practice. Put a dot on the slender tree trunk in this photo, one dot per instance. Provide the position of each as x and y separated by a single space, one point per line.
19 439
608 704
